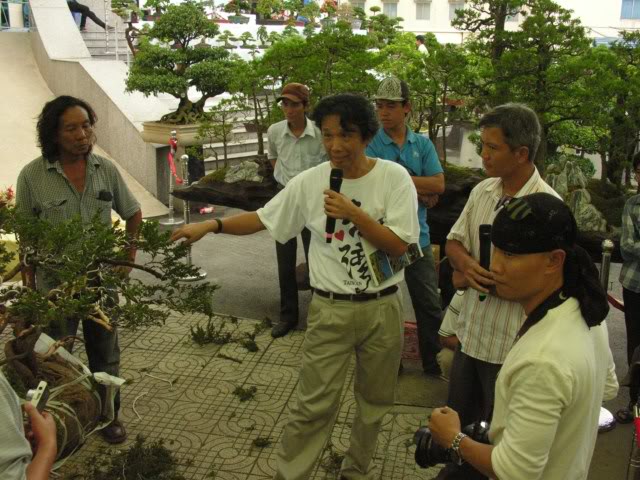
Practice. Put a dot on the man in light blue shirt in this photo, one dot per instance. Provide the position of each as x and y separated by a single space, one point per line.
396 142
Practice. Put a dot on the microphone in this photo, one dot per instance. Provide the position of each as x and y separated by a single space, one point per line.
485 250
335 182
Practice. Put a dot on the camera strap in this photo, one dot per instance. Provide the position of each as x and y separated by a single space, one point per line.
556 299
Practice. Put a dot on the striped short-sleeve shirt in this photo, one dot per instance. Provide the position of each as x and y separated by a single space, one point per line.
44 191
487 329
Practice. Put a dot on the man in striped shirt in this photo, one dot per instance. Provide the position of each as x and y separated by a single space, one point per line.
510 135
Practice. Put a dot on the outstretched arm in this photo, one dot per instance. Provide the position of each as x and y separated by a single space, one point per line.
242 224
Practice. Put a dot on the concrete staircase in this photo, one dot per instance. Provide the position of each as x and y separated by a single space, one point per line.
242 146
96 42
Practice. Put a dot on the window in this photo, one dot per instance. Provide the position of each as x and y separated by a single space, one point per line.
453 6
630 9
423 10
390 9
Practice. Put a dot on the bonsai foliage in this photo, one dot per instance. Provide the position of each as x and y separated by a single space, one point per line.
311 11
160 69
124 8
86 263
237 7
267 8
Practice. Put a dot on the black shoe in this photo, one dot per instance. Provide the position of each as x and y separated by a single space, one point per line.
114 432
281 329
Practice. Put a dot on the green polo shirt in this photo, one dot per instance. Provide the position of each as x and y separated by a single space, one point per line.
44 191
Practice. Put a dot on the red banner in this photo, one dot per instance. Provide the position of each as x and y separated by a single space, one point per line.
173 147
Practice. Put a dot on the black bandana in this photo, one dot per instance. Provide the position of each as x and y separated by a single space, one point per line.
539 223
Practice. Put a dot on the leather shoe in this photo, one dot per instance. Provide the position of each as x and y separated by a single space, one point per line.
281 329
114 432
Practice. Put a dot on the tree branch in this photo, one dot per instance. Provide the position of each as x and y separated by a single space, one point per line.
125 263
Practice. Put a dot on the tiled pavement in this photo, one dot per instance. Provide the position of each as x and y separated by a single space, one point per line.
201 419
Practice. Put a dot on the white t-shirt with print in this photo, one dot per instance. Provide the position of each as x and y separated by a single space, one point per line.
386 193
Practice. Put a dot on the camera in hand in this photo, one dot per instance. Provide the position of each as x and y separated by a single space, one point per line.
39 396
429 453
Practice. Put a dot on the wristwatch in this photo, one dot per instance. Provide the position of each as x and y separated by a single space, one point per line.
456 456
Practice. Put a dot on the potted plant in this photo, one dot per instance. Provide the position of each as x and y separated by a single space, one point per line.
226 37
267 9
153 9
245 38
159 69
127 10
237 7
293 7
263 36
311 11
329 8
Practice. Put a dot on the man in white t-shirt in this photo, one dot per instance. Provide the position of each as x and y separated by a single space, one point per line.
350 312
295 145
550 389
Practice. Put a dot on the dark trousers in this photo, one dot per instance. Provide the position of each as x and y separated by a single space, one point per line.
632 322
472 388
471 394
103 350
286 255
86 12
422 283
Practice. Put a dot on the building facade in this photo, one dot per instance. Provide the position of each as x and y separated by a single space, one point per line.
602 19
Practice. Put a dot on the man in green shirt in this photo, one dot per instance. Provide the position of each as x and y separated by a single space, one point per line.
68 181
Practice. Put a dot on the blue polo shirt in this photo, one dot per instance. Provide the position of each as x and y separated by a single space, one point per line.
418 156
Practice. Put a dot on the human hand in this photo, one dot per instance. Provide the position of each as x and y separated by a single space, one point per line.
42 433
192 232
336 205
458 280
477 277
444 424
430 200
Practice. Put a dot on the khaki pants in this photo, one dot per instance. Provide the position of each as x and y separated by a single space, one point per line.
335 330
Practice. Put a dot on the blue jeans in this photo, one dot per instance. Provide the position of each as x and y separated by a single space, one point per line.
422 283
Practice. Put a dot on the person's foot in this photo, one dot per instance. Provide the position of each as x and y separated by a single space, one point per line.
280 329
114 432
623 416
83 30
110 28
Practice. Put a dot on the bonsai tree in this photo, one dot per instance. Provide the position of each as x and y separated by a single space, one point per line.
262 35
225 37
237 7
217 125
124 8
159 69
246 37
311 11
345 13
157 6
86 261
293 7
266 8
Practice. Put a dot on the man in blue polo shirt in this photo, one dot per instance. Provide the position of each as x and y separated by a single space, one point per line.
396 142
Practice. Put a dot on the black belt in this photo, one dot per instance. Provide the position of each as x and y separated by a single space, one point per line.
356 297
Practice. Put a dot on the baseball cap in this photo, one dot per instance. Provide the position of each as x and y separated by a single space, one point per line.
296 92
535 223
393 89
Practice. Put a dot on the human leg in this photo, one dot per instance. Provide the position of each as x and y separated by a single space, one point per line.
326 352
465 391
286 257
379 347
86 12
631 320
422 283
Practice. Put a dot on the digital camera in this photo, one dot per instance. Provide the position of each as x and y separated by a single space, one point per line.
429 453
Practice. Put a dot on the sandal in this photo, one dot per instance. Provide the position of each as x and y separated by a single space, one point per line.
623 416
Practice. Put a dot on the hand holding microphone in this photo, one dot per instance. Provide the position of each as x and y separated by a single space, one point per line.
331 202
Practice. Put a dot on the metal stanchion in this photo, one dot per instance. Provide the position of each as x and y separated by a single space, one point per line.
201 274
172 147
606 421
115 33
106 26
